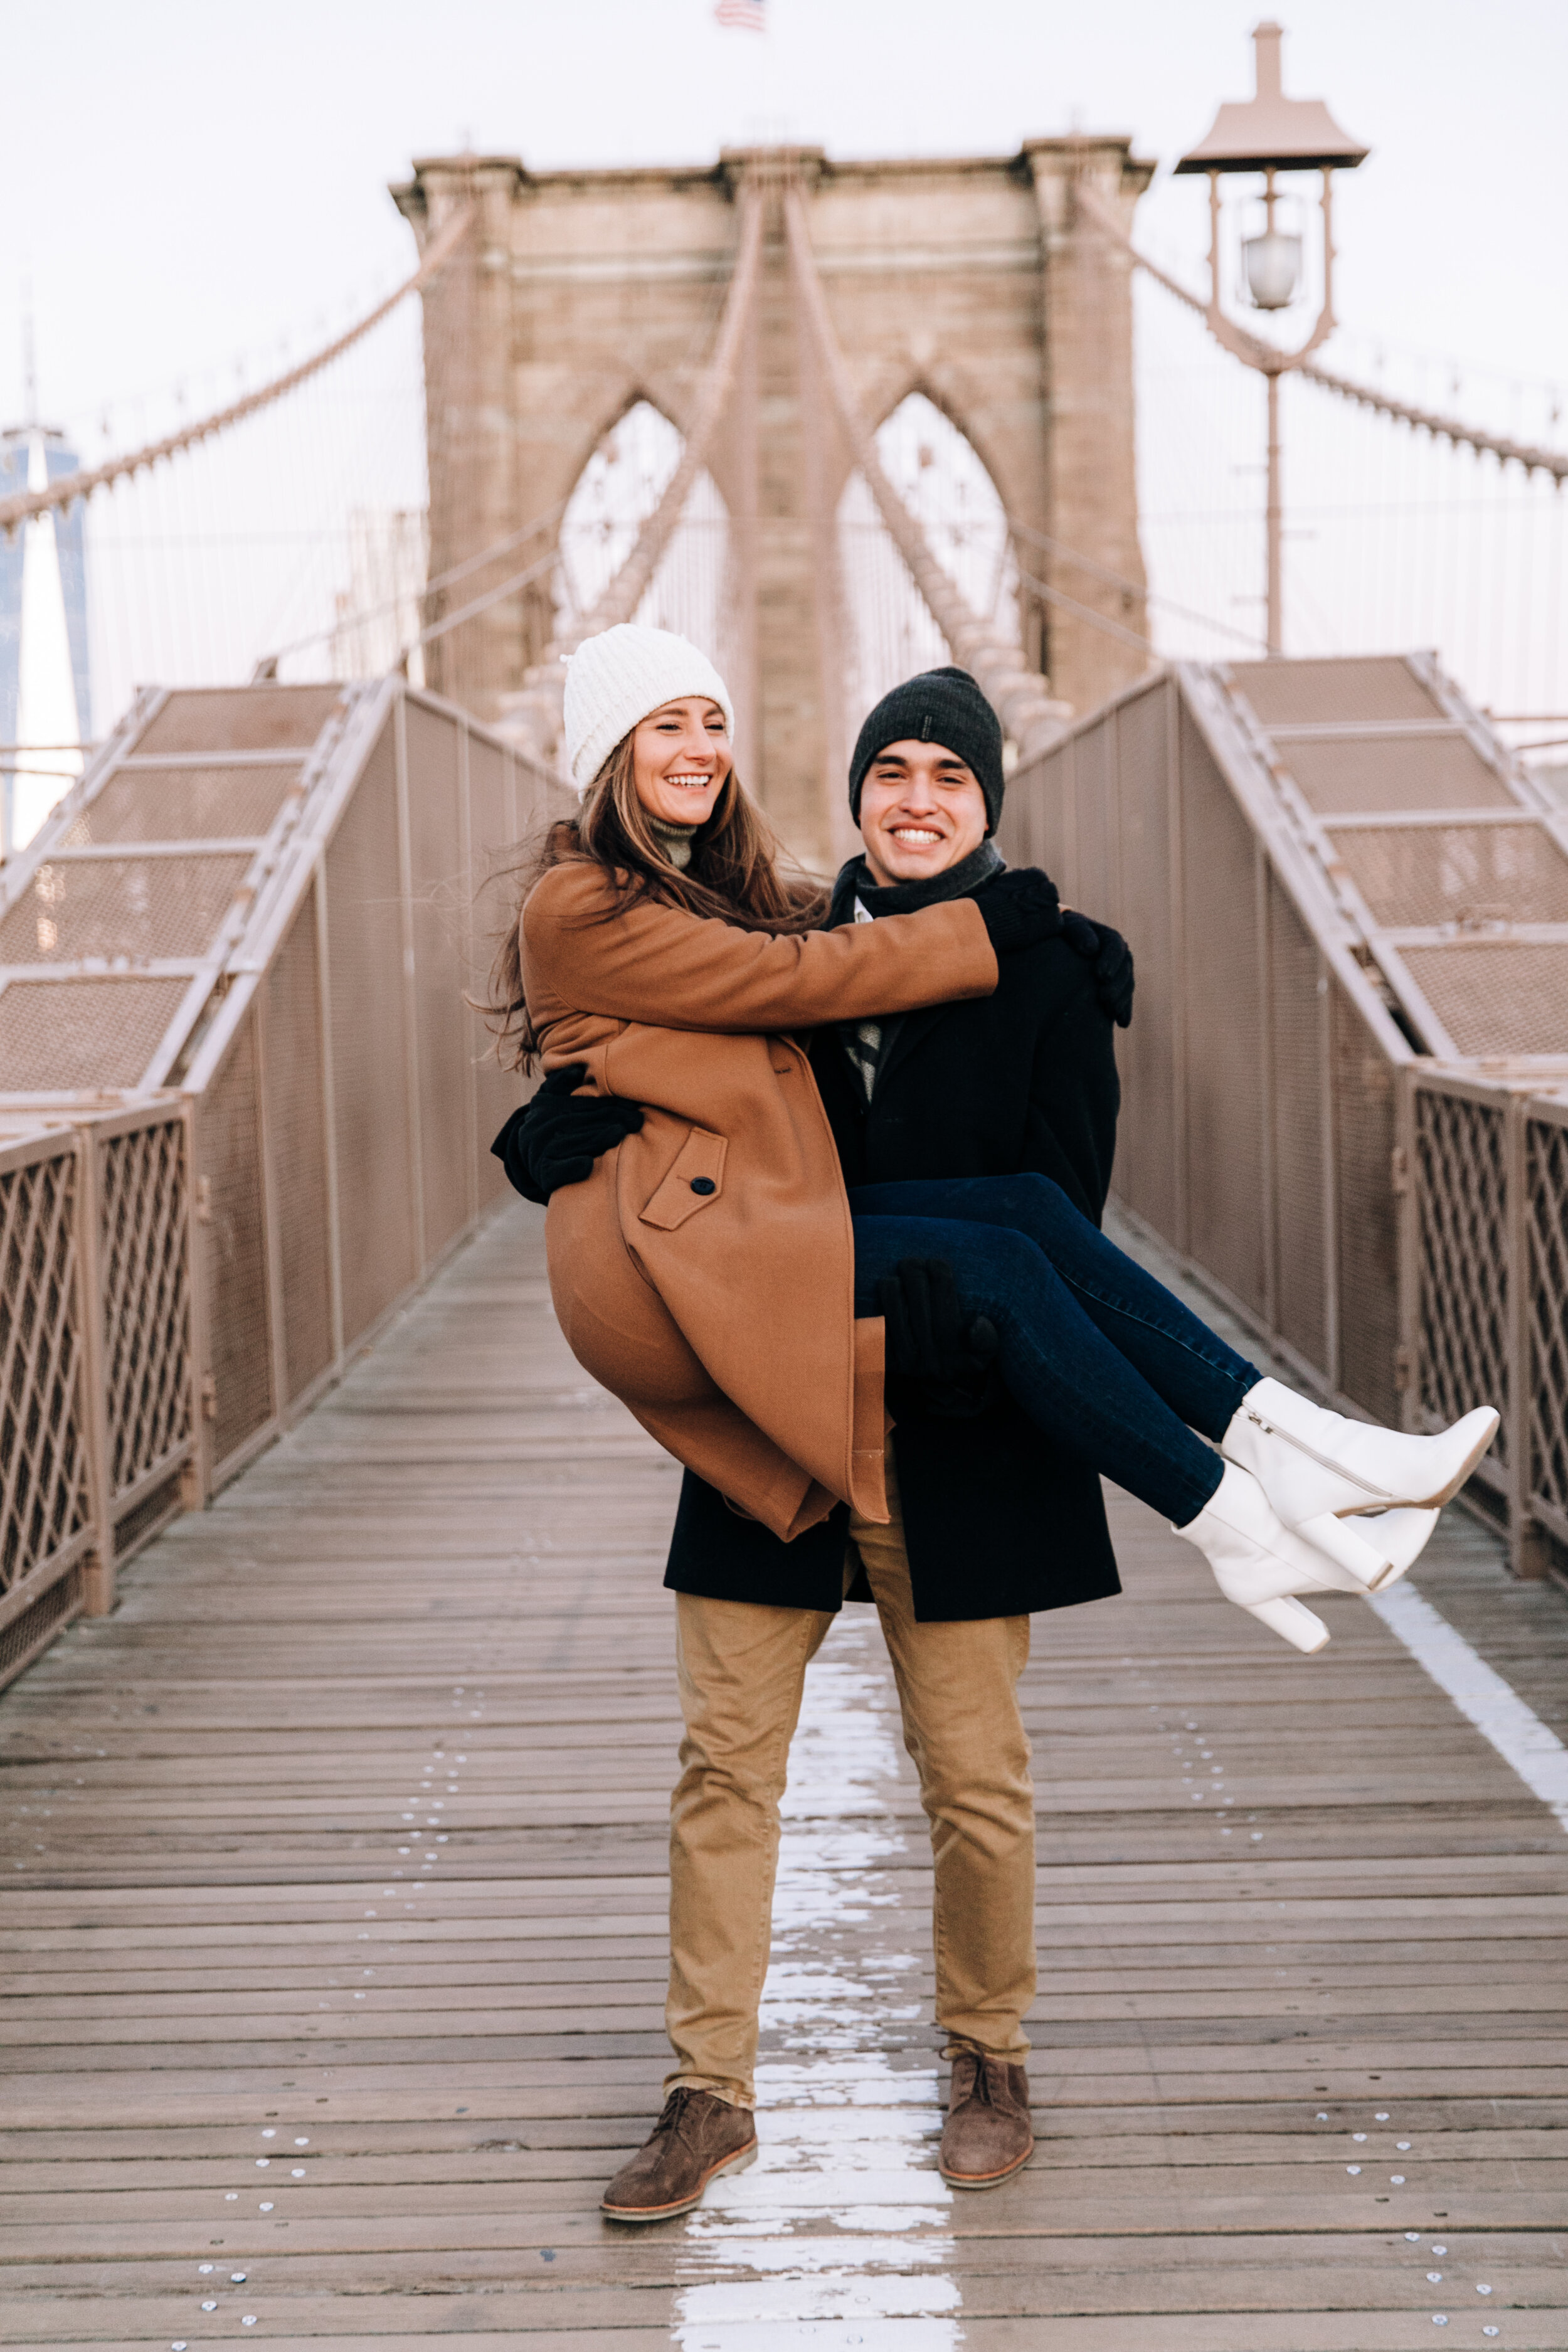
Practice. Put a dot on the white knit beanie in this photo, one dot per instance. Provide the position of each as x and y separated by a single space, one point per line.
619 676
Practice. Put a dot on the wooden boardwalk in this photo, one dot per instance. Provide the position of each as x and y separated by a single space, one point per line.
335 1940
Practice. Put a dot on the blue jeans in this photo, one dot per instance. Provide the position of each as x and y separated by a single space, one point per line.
1098 1354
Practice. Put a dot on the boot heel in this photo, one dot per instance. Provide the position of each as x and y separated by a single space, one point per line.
1351 1547
1290 1622
1395 1539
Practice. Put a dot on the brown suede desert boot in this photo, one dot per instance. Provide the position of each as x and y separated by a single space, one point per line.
697 2137
988 2134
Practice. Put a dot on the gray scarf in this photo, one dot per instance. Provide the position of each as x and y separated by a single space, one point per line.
909 898
866 1042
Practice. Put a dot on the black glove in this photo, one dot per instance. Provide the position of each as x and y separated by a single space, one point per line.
555 1139
1111 959
944 1357
1020 907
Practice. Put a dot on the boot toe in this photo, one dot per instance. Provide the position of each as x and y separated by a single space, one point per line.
988 2134
697 2137
1463 1444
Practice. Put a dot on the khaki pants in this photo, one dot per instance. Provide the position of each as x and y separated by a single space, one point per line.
741 1669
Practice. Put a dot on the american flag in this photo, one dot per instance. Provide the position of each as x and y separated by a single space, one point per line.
743 15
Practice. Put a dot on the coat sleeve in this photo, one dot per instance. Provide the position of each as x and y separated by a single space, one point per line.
1075 1094
647 962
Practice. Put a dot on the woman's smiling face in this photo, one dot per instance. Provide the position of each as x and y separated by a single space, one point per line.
680 757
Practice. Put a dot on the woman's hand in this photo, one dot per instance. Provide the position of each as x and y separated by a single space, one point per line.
555 1139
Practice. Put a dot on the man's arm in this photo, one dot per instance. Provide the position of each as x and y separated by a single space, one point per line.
555 1139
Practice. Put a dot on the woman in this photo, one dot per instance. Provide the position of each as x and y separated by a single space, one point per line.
713 1273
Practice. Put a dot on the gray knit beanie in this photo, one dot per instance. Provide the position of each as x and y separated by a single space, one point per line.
940 706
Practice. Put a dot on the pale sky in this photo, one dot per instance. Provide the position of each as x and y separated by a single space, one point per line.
185 178
186 182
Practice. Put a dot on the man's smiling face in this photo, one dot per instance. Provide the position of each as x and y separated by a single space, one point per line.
921 811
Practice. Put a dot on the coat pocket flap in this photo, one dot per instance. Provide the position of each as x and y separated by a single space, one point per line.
696 1180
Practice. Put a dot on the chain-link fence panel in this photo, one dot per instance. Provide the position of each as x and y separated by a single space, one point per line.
143 1266
44 1500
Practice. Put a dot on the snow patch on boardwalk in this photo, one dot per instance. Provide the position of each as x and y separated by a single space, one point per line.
837 2235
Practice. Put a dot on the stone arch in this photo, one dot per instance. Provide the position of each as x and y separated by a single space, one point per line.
620 482
941 475
924 383
977 279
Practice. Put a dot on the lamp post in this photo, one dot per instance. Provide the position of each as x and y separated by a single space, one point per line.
1271 134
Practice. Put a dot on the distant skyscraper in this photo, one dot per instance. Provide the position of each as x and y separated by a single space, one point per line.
45 695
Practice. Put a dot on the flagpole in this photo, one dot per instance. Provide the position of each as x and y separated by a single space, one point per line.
751 16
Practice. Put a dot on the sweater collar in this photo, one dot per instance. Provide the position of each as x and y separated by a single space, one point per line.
854 881
675 840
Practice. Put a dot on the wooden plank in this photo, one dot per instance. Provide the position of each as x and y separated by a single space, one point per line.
437 1608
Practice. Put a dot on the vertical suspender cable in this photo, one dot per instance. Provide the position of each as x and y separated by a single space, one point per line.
1027 715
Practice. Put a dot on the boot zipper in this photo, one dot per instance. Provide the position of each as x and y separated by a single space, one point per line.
1323 1461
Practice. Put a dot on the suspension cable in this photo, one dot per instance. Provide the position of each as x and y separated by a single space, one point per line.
545 563
625 591
1115 580
1087 612
1015 692
268 666
1530 455
535 713
28 504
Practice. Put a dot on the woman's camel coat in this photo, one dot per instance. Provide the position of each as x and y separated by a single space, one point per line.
705 1271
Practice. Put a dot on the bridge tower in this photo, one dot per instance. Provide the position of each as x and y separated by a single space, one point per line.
981 281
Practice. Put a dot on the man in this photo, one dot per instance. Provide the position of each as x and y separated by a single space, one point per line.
989 1522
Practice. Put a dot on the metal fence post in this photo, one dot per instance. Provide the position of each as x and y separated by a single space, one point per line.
1526 1551
329 1105
1544 1119
466 867
1406 1176
204 1404
98 1568
196 1483
1268 1141
271 1237
1329 1129
412 1141
1176 806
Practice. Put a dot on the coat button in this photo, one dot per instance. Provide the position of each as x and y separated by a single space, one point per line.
703 1184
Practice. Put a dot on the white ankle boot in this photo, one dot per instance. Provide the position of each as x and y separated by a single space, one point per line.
1262 1564
1319 1469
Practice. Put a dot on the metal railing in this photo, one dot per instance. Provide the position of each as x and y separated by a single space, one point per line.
1393 1221
1258 1120
183 1270
1482 1175
98 1405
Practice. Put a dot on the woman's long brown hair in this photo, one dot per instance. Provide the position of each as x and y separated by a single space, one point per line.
733 875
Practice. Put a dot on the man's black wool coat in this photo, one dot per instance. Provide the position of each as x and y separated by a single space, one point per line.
997 1520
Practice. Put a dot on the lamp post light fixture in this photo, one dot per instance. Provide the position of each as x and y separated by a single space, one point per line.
1271 134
